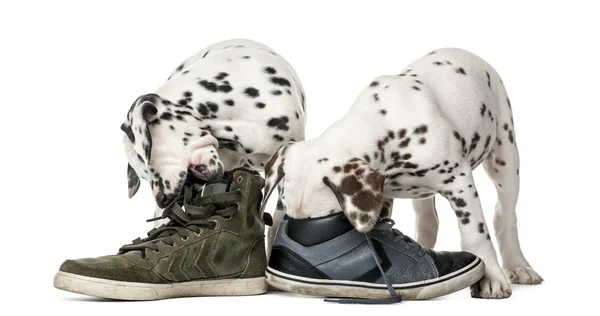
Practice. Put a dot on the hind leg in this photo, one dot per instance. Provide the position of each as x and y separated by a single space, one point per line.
502 166
427 224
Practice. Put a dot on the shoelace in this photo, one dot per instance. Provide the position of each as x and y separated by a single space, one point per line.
385 226
195 217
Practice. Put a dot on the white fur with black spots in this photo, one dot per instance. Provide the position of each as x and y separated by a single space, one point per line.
233 104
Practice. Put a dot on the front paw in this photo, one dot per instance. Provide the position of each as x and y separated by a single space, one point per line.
491 287
523 275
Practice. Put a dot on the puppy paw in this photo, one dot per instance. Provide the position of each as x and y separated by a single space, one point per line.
523 275
491 288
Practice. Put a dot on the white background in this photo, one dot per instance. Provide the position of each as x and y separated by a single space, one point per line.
69 72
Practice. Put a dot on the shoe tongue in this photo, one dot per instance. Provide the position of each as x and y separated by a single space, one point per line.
214 188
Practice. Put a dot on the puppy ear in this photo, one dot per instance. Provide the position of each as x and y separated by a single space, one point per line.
137 127
274 173
359 190
133 181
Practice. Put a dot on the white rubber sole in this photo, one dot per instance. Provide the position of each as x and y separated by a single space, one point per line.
422 290
147 291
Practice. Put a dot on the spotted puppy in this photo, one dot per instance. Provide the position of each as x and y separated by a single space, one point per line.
232 104
415 135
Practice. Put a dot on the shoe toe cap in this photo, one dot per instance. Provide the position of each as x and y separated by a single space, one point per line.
447 262
116 269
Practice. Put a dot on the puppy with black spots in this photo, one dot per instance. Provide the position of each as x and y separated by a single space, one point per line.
232 104
415 135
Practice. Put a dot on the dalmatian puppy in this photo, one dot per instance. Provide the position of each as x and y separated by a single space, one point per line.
415 135
232 104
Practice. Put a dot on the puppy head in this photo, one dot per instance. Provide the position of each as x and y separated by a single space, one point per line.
312 187
162 145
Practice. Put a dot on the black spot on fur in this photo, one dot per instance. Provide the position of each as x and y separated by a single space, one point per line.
410 165
166 116
404 143
460 202
421 129
437 63
487 74
213 87
229 102
416 88
251 92
474 142
483 108
422 141
374 84
280 81
270 70
221 76
449 180
228 128
279 123
276 92
461 70
212 106
278 138
383 112
480 227
376 97
260 105
402 133
248 150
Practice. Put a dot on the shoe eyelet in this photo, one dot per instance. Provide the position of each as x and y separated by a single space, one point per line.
216 224
198 233
184 239
156 251
240 179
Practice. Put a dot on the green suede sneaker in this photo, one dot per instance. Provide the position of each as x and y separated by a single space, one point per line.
212 245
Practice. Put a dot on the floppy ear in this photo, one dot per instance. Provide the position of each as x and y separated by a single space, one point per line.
274 173
137 128
359 190
133 181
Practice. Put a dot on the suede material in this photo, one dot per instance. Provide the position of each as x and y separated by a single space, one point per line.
112 268
257 261
235 248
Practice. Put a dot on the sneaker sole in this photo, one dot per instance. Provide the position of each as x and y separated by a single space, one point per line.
422 290
120 290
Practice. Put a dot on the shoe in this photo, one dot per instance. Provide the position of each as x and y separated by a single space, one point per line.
213 246
327 257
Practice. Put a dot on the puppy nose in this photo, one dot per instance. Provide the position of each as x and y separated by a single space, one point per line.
161 200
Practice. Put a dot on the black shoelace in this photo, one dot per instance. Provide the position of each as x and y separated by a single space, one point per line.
386 227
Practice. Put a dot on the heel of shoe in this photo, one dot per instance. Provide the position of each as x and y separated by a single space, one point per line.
257 260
